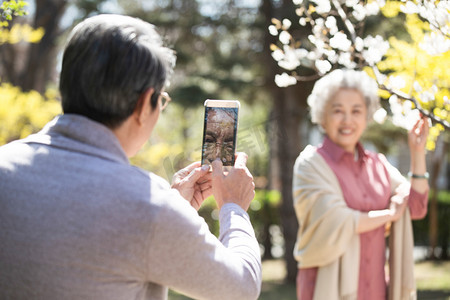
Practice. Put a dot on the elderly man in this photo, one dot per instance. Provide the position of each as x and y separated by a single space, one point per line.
79 222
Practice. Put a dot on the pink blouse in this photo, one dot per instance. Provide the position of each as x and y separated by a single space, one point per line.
365 184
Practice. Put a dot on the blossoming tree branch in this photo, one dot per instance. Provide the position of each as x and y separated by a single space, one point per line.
413 73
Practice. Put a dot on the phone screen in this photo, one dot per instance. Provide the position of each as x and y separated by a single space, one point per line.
219 134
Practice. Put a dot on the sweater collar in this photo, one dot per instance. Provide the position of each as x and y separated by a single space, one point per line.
79 133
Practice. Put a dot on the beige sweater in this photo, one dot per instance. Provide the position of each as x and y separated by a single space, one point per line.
327 236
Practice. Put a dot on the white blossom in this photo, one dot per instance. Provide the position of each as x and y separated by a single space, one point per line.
301 53
402 113
273 30
284 37
426 96
380 116
302 21
359 12
396 82
286 24
395 105
284 80
312 55
417 87
359 44
323 66
340 41
380 77
320 22
411 116
442 13
429 95
372 8
331 24
345 59
435 44
331 55
290 60
409 8
381 3
351 3
318 42
434 89
446 100
297 2
376 48
323 6
277 55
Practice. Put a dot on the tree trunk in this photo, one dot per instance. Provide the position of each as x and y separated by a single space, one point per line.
288 140
40 62
289 109
436 162
32 66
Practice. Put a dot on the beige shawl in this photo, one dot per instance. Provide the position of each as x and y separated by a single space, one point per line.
327 236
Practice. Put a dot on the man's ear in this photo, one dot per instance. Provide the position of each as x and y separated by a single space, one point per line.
143 106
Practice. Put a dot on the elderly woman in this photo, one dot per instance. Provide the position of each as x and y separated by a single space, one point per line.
347 197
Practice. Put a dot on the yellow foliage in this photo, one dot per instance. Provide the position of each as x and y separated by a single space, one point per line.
159 158
23 113
21 32
414 64
391 9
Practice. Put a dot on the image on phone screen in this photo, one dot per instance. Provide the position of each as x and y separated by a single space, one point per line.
219 135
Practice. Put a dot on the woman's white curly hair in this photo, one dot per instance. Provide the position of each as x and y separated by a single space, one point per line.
326 87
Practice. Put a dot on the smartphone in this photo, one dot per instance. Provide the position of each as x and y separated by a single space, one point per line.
219 131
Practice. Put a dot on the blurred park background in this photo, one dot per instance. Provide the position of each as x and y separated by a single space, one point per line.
225 51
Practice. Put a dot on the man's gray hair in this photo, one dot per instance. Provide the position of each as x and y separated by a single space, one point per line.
109 61
327 87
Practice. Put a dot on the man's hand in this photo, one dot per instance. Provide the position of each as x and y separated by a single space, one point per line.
193 183
235 187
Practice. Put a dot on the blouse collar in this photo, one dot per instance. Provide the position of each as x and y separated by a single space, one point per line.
337 153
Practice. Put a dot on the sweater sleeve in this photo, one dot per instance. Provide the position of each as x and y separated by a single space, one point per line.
185 256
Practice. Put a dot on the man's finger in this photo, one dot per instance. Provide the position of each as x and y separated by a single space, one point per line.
196 173
207 192
241 160
217 168
193 166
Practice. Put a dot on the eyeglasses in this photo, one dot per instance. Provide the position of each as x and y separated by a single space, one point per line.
165 99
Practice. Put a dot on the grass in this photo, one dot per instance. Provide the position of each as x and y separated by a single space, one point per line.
432 279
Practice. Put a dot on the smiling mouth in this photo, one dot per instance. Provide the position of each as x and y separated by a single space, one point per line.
346 131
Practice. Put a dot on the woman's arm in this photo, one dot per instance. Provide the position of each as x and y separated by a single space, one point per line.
417 139
376 218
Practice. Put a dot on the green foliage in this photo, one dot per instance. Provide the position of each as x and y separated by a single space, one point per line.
384 136
263 212
24 113
12 8
217 46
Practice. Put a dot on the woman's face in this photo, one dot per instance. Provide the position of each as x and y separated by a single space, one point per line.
345 118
